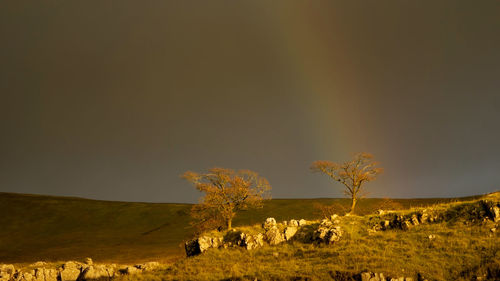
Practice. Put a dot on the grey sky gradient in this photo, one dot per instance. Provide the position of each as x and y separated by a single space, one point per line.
115 99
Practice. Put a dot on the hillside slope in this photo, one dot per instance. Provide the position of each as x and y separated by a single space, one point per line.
452 241
35 227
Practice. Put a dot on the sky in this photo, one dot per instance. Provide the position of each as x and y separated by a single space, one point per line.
114 100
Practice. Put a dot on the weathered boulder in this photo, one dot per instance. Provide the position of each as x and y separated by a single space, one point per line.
495 210
252 241
302 222
24 276
7 271
98 271
192 247
365 276
45 274
205 243
415 219
327 232
290 231
294 223
88 261
274 236
70 271
269 223
201 244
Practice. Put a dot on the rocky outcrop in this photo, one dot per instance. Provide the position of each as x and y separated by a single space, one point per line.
290 231
328 232
46 274
273 233
71 270
98 271
6 272
252 241
274 236
468 212
371 276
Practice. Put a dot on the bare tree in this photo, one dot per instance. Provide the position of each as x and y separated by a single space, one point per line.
352 174
226 192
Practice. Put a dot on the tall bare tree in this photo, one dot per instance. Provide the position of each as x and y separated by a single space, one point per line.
226 192
352 174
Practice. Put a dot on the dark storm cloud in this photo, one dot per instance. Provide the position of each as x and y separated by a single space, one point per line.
113 100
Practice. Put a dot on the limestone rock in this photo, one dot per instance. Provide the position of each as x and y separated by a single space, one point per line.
45 274
6 271
88 261
70 271
274 236
294 223
24 276
98 271
253 241
192 248
327 232
205 243
366 276
269 223
38 264
414 219
496 213
302 222
290 232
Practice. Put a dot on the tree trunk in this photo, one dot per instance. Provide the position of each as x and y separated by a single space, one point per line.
229 224
354 199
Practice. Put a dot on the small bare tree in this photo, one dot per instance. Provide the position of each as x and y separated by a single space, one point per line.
352 174
226 192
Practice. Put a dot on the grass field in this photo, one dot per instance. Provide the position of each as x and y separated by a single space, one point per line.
35 227
462 245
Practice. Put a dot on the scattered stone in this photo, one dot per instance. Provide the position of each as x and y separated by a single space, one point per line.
414 219
28 276
45 274
38 264
273 236
290 231
253 241
432 236
6 271
205 243
192 248
70 271
302 222
496 213
88 261
269 223
327 232
294 223
365 276
98 271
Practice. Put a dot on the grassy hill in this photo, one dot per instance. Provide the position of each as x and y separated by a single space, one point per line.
35 227
451 241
